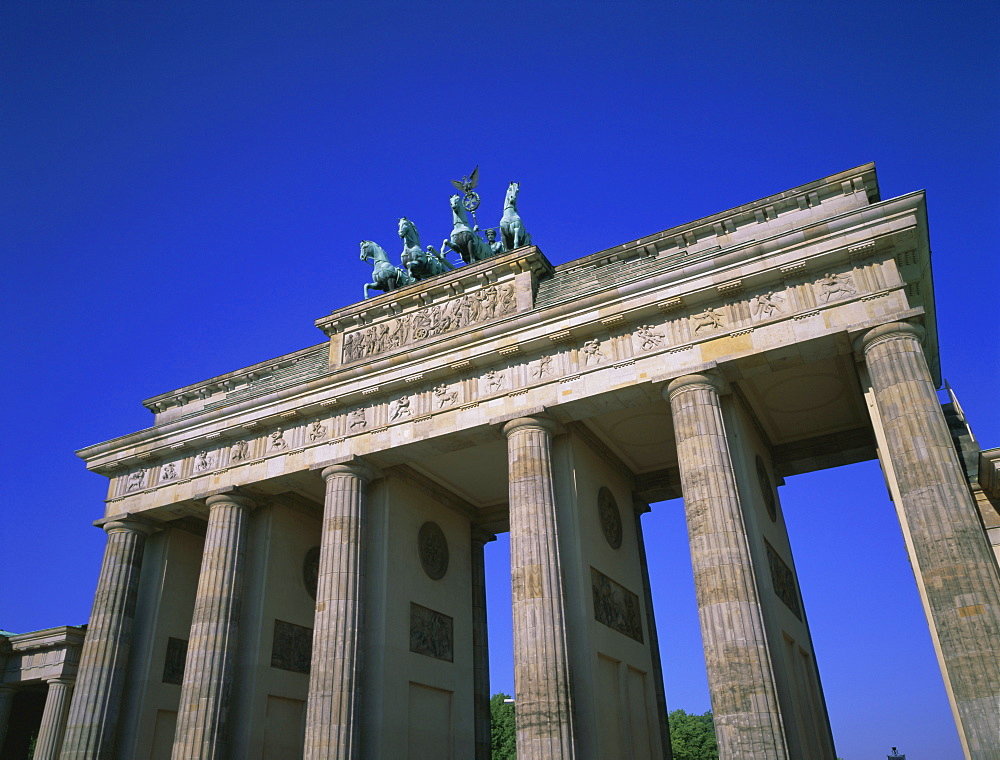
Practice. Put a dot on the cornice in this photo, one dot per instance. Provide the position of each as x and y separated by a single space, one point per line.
631 304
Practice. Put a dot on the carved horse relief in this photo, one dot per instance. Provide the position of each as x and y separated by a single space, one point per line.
469 245
386 276
511 227
420 264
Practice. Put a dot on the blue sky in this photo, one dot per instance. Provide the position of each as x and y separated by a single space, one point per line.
184 188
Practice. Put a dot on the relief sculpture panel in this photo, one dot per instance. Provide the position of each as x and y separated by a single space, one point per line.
431 633
615 606
469 309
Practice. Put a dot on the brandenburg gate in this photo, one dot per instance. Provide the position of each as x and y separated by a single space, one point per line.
294 562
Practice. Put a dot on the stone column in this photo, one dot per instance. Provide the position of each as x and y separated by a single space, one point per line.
50 733
740 674
7 692
639 509
480 644
100 678
541 663
333 720
201 732
948 549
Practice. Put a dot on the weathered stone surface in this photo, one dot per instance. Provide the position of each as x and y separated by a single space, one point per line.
949 551
93 715
541 665
50 733
332 720
741 681
208 672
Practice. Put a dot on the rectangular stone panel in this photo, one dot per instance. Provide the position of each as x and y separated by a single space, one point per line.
615 606
431 633
292 647
475 308
173 663
783 581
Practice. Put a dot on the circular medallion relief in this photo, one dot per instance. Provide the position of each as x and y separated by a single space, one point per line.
611 517
767 490
310 571
433 549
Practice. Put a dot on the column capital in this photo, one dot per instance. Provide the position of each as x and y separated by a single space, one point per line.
63 680
356 469
529 423
230 498
128 524
890 331
481 536
703 380
8 688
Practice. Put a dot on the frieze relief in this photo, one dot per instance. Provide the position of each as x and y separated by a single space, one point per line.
678 329
473 308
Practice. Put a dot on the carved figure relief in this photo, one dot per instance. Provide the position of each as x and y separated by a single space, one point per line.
615 606
431 633
766 305
357 419
783 581
610 516
444 396
833 286
493 380
469 309
767 490
173 663
240 452
648 339
278 442
310 571
432 546
136 480
711 318
317 431
542 368
592 352
399 408
203 461
291 648
169 472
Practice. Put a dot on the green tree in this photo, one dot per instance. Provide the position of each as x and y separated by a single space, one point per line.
503 735
692 736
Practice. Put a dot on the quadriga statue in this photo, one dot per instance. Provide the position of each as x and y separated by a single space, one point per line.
386 276
511 227
420 264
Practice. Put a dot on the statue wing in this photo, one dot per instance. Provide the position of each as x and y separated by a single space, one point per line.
458 185
474 178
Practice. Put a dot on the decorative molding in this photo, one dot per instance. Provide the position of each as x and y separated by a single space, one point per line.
670 304
561 337
798 266
613 320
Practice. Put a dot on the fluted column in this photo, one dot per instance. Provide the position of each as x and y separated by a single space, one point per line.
50 733
961 589
201 732
740 675
100 679
7 692
480 644
333 720
640 508
541 664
